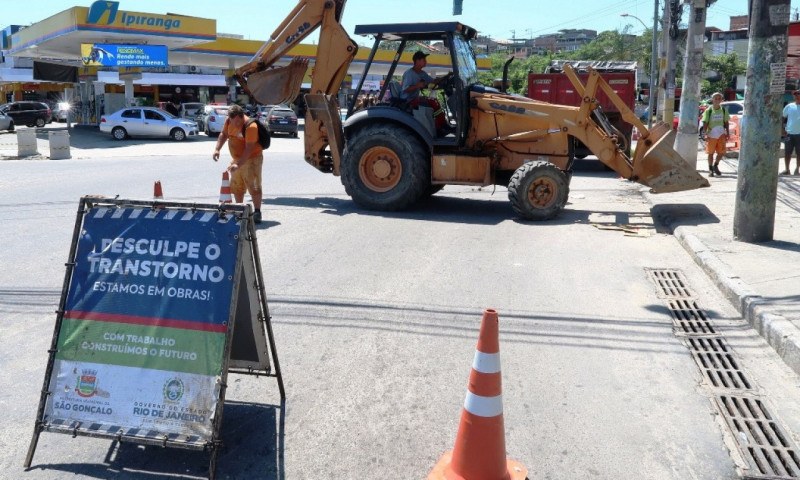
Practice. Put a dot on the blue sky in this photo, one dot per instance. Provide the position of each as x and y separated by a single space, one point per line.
256 19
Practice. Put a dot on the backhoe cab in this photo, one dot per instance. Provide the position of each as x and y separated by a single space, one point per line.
389 156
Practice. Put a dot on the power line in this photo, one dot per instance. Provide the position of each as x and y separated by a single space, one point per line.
591 15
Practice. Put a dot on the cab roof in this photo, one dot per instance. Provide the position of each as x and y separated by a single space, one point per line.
415 31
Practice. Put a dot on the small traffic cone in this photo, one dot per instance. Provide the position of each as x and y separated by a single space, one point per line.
480 449
157 193
225 189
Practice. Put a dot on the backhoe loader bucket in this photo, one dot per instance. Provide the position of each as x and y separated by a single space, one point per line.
660 167
277 85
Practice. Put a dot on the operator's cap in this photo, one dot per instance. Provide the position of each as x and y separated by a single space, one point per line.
796 92
419 54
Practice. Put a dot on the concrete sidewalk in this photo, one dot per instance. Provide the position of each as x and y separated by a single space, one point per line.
761 280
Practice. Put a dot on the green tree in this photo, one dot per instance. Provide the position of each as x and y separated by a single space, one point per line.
727 66
517 71
616 45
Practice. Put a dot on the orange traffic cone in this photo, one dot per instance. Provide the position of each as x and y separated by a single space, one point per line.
157 193
225 189
480 449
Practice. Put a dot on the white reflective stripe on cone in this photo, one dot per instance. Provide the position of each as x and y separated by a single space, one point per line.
486 362
483 406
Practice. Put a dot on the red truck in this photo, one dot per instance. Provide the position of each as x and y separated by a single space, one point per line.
553 86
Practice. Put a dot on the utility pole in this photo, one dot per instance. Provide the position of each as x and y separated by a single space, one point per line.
686 140
757 184
653 97
672 18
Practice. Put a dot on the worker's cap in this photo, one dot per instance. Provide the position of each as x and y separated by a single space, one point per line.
419 54
796 92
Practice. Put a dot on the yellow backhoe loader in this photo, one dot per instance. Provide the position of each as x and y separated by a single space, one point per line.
389 156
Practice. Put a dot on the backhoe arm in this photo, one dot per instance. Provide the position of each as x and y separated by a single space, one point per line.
335 52
270 86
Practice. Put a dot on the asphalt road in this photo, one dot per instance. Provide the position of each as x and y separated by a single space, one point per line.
376 317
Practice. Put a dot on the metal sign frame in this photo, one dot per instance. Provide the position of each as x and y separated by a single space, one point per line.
247 287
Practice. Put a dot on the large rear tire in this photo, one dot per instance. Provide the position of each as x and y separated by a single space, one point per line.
385 167
538 190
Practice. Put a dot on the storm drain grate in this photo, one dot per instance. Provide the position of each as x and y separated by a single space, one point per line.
718 363
670 283
689 318
766 447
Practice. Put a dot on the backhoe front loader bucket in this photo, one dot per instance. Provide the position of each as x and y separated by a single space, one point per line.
277 85
657 165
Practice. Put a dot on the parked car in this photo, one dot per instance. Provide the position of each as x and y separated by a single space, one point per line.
278 119
146 122
61 111
213 118
189 110
28 113
735 107
6 122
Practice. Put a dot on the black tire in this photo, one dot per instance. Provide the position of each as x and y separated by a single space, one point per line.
385 167
40 122
432 190
178 134
119 133
11 127
538 190
294 135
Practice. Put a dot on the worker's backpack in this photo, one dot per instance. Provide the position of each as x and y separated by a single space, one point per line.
263 133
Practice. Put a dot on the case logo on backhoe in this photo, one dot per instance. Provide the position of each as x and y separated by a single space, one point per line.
300 30
507 108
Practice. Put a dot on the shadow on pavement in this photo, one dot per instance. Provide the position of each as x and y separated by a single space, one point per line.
253 439
675 215
441 208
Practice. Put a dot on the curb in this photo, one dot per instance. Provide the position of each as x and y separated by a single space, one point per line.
779 333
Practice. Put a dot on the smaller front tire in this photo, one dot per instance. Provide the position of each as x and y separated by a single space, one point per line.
178 134
119 133
40 122
538 190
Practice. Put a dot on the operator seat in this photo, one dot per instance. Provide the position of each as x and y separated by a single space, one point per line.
396 99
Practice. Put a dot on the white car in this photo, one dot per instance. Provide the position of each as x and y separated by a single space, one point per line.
734 107
61 111
6 123
146 122
190 110
214 118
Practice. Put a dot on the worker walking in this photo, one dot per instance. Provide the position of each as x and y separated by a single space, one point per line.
791 128
715 126
247 157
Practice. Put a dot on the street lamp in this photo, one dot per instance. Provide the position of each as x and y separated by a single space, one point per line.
651 101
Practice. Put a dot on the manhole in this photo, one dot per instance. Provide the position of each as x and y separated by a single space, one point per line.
670 283
768 450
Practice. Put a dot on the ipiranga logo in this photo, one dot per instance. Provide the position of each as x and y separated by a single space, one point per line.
99 8
105 12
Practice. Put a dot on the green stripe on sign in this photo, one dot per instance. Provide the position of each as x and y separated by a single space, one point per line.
158 348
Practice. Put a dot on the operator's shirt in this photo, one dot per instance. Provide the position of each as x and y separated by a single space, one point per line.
236 141
715 120
791 112
410 78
